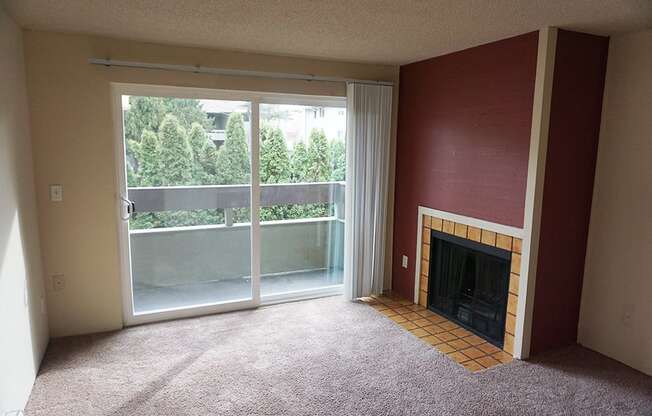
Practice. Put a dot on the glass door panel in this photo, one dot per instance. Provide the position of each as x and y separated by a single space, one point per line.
302 180
188 170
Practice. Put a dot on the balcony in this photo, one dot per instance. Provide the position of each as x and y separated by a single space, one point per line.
198 265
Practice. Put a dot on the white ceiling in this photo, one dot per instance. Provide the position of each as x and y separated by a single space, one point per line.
381 31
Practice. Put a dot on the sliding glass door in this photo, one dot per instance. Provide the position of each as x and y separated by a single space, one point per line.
302 175
212 219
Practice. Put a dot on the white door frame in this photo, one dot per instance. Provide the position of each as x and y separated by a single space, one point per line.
255 99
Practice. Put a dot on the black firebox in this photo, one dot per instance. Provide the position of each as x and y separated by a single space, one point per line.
469 283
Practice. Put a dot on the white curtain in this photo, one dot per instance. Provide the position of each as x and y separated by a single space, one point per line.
368 124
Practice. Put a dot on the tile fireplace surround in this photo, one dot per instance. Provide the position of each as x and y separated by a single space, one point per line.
469 350
483 236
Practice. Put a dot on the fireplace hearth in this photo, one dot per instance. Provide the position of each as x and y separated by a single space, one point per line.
469 284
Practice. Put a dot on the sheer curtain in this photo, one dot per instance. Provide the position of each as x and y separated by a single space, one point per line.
368 124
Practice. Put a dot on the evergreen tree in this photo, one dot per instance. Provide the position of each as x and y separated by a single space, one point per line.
299 162
274 157
208 162
319 161
132 178
147 113
274 167
175 153
198 140
233 156
338 159
149 165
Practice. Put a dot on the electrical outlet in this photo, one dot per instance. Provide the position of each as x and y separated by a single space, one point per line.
58 282
404 262
56 193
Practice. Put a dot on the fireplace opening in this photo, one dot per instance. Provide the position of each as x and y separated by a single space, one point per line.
469 284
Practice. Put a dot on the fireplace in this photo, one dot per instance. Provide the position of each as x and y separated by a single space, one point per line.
469 284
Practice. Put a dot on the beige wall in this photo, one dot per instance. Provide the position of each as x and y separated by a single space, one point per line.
23 323
617 295
73 145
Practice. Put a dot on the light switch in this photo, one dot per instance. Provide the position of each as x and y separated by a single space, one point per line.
56 193
404 261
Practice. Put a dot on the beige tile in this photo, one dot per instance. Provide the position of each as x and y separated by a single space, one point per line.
426 221
510 324
434 329
502 356
474 233
411 316
508 344
473 366
436 319
516 263
380 307
425 252
512 302
423 282
419 332
504 241
458 357
474 340
422 322
514 280
460 230
389 312
423 298
436 223
517 245
398 319
459 344
432 340
425 267
461 332
448 227
447 336
488 237
415 308
448 325
405 302
402 310
488 348
408 325
445 348
426 313
425 235
488 361
474 352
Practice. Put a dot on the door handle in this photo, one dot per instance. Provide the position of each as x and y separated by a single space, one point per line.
131 208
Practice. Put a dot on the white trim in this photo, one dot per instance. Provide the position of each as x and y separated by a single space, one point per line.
123 227
534 191
304 294
190 311
255 99
150 90
461 219
255 201
473 222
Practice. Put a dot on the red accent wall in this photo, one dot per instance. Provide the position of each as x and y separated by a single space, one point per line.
576 106
463 139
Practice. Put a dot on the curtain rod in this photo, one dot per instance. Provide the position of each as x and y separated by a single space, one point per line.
231 72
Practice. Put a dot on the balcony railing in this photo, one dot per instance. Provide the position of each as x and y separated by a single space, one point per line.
173 257
227 197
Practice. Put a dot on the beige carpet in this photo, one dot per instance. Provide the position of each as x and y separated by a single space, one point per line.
321 357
